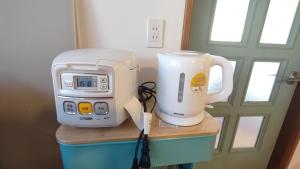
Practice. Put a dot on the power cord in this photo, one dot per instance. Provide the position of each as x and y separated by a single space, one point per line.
135 162
146 91
145 157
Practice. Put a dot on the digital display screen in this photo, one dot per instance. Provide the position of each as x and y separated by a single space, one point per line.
86 81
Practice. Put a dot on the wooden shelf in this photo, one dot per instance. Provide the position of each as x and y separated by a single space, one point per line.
128 131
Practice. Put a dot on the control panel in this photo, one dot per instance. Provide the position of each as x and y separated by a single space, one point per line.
91 111
85 108
90 101
84 82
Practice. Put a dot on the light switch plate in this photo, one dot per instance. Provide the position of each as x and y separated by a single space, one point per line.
155 32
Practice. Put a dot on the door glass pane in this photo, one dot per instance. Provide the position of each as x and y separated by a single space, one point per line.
247 131
279 21
262 81
215 78
229 20
220 121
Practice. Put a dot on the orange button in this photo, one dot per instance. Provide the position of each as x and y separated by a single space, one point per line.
85 108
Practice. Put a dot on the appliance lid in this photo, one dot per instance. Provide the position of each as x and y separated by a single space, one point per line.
94 56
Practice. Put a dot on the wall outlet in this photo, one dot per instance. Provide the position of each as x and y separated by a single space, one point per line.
155 33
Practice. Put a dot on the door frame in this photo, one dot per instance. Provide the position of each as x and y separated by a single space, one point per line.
290 130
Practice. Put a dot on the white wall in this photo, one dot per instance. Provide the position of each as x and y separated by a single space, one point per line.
122 25
32 33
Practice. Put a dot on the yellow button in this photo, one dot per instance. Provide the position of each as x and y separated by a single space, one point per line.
85 108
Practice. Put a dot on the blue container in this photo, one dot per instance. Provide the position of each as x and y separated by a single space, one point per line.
119 155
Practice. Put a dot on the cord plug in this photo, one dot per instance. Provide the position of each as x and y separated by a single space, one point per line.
147 122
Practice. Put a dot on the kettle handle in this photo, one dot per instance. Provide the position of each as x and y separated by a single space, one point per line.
227 80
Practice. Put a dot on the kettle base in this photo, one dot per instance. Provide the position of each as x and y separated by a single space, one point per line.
181 121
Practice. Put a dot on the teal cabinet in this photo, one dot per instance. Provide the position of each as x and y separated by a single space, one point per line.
77 153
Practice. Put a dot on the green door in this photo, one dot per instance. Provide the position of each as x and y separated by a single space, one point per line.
260 38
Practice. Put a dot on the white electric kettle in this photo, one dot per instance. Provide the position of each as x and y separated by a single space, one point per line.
183 82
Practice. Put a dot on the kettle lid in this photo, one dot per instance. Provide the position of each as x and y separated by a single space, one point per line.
185 53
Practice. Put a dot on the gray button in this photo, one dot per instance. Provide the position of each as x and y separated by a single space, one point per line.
101 108
70 107
103 87
103 80
68 83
